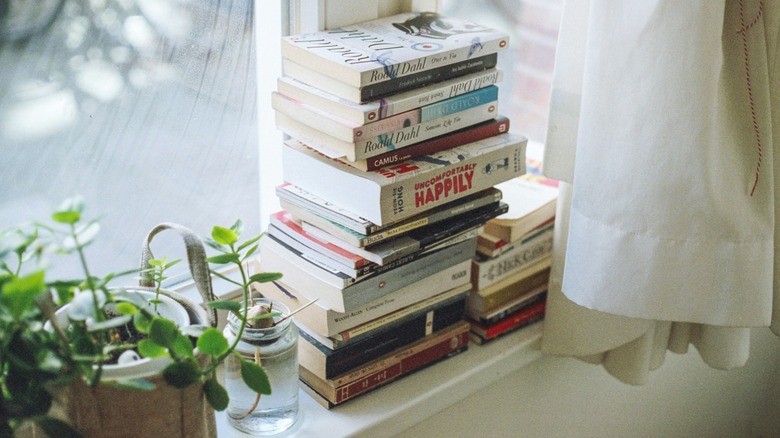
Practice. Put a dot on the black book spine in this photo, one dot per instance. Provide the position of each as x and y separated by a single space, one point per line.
393 86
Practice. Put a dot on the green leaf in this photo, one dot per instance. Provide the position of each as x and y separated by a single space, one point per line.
126 309
149 348
182 346
156 262
250 252
66 217
265 277
213 343
255 377
229 305
163 331
216 394
20 293
222 259
249 242
181 374
224 236
169 264
142 323
237 227
54 427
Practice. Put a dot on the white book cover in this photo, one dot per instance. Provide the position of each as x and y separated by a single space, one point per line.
412 187
389 106
334 147
392 47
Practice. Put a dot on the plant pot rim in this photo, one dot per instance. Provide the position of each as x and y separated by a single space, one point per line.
145 367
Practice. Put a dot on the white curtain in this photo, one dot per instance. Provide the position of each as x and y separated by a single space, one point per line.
664 115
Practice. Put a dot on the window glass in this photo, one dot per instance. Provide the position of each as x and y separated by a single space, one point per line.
528 62
146 108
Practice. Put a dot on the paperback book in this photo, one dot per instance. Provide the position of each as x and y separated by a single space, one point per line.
365 148
398 192
392 48
397 320
397 364
510 288
390 87
327 363
388 106
308 208
491 246
531 198
493 316
482 334
327 322
338 291
529 249
348 131
459 137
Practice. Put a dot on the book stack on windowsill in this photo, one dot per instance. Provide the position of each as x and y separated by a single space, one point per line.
511 269
389 178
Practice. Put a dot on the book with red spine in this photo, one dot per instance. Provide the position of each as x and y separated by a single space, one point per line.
390 367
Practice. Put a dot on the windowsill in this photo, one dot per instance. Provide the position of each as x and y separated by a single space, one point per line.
400 405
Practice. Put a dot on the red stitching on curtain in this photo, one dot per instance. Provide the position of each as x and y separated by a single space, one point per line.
756 131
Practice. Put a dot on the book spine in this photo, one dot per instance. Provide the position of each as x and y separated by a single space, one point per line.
513 322
497 316
459 137
282 222
368 148
488 272
427 113
398 318
414 80
326 322
403 361
434 93
377 286
345 359
480 301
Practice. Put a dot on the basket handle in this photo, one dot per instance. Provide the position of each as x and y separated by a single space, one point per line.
196 257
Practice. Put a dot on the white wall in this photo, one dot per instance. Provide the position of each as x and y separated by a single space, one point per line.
563 397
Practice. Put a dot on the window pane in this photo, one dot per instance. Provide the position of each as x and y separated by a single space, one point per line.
147 108
528 63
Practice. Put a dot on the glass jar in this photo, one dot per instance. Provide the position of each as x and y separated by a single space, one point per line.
276 350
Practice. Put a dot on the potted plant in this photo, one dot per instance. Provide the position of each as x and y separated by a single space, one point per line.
80 357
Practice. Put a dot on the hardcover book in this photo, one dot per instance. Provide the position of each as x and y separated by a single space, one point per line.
327 363
338 291
459 137
392 47
398 192
389 106
309 208
348 131
365 148
392 366
328 322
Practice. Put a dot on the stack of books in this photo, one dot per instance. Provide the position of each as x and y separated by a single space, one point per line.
511 269
396 146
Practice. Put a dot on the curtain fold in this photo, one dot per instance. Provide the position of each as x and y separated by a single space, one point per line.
662 124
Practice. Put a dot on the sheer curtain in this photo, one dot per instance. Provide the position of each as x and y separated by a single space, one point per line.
663 119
